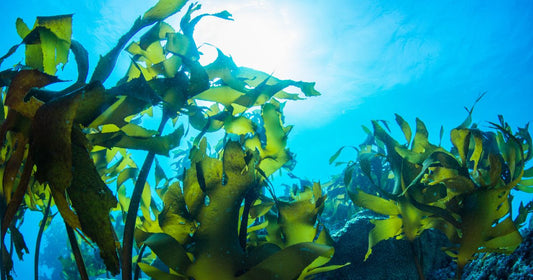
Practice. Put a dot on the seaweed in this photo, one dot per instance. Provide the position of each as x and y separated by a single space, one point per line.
207 219
465 192
62 149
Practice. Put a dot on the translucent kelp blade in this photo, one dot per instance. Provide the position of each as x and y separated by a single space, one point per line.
175 219
222 69
486 206
478 149
288 263
223 94
461 140
523 213
159 174
273 153
238 125
157 274
374 203
317 266
133 130
321 269
406 129
48 43
194 196
163 9
157 33
258 87
22 29
503 234
298 217
124 201
437 157
260 208
153 53
336 155
254 78
55 52
383 230
125 106
160 145
420 141
169 251
527 142
181 45
468 121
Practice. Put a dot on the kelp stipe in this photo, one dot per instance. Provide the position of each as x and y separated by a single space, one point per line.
71 144
464 193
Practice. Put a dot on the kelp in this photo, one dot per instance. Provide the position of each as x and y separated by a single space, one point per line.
63 149
205 243
465 193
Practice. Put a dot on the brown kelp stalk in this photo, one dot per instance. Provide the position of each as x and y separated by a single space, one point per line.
137 268
131 217
39 236
77 253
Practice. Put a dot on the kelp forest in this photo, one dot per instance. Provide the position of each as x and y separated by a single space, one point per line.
68 154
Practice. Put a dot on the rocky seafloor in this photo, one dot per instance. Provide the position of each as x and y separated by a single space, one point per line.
395 259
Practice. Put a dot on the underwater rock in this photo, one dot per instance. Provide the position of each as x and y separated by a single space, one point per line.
518 265
390 259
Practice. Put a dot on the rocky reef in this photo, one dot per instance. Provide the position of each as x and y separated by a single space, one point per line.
394 259
518 265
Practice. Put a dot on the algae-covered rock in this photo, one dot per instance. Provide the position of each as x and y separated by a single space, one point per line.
391 259
518 265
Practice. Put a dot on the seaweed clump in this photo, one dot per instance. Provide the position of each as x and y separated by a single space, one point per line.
465 193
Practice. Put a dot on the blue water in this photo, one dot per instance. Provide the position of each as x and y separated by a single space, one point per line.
369 59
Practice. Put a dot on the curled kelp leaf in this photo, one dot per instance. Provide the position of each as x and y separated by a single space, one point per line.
21 85
298 217
157 33
175 219
288 263
272 153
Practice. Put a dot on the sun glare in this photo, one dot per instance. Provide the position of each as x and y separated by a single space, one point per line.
269 36
260 37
